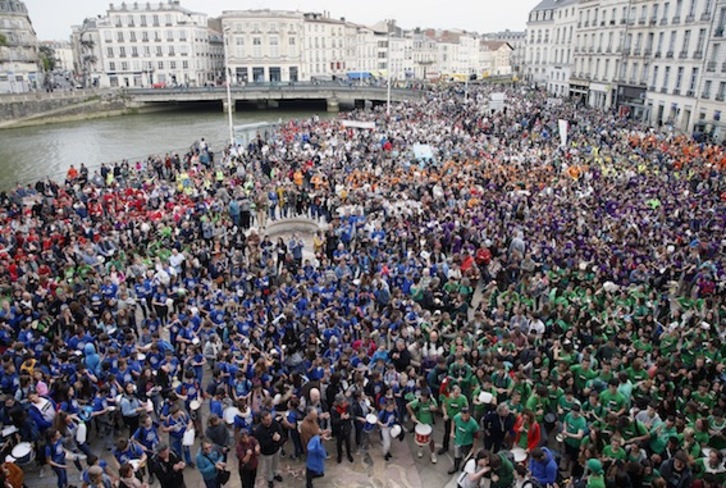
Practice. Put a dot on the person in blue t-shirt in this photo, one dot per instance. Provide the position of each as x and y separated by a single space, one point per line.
55 457
386 419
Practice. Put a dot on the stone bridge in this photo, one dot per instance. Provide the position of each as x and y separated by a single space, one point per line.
270 95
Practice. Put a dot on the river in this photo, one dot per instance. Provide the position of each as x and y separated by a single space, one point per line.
31 153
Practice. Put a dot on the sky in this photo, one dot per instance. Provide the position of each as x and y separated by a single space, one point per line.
482 16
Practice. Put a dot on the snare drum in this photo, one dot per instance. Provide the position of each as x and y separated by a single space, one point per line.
519 454
195 404
23 453
423 434
229 414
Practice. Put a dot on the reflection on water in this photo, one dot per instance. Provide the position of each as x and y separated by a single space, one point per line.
31 153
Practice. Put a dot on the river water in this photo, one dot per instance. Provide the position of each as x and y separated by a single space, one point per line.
31 153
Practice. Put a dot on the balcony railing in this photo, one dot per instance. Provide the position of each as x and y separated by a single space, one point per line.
663 21
641 21
705 16
657 55
711 66
669 54
723 68
720 97
718 32
690 93
697 54
676 20
626 51
636 51
705 95
690 18
682 55
647 52
676 91
664 90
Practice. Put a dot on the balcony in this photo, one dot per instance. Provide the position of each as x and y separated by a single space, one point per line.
612 22
690 93
669 54
602 23
690 18
706 16
591 49
664 90
648 52
641 21
631 21
676 20
579 25
720 97
718 32
705 95
697 54
657 55
651 88
608 50
723 68
587 23
663 21
711 66
622 21
676 91
626 51
682 55
636 51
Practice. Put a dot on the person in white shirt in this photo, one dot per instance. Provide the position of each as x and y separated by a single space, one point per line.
474 469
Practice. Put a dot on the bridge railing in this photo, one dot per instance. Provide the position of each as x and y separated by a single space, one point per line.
267 87
54 95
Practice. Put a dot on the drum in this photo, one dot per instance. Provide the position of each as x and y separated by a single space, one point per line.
188 439
519 454
229 414
486 397
149 406
136 464
560 437
371 419
423 434
141 356
195 404
396 431
195 341
23 453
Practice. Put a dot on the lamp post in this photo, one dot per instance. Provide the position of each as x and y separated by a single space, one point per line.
388 64
227 76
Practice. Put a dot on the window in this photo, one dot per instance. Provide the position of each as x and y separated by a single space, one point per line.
143 21
291 41
132 36
112 66
155 20
171 51
666 76
109 52
672 43
159 52
172 64
120 36
184 50
160 65
147 51
257 46
701 40
122 52
686 40
655 76
239 42
124 65
113 80
134 52
144 36
167 19
694 79
169 35
707 89
185 64
183 35
679 78
157 36
274 49
131 21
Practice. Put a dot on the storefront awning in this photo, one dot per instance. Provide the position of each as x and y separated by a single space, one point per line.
359 75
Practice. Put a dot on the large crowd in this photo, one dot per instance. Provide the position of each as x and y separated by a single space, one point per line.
559 308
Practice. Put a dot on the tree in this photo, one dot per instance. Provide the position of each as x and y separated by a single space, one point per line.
3 40
47 58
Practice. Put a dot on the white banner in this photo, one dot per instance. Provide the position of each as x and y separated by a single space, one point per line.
356 124
563 132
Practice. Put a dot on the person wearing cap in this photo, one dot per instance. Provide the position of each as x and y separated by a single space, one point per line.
168 468
421 410
248 454
595 476
463 430
676 472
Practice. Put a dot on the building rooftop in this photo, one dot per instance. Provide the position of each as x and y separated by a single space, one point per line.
553 4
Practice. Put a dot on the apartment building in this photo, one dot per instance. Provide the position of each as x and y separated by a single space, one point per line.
517 40
19 69
712 91
145 44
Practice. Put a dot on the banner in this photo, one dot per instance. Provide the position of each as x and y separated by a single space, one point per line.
356 124
563 132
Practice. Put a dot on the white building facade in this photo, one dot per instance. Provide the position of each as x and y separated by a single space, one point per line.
19 69
549 47
144 44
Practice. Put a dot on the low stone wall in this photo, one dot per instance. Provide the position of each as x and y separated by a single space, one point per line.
288 226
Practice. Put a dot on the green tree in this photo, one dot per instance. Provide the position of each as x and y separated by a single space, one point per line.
47 58
3 40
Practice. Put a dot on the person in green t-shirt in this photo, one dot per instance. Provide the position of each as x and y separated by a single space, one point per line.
596 478
421 412
502 474
583 374
539 403
614 451
612 399
573 430
450 407
463 429
460 374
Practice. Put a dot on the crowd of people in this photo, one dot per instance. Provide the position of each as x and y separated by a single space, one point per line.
558 308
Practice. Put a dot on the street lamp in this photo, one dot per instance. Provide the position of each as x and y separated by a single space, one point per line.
227 79
388 64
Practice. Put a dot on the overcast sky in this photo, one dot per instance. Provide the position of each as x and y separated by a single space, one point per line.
54 23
